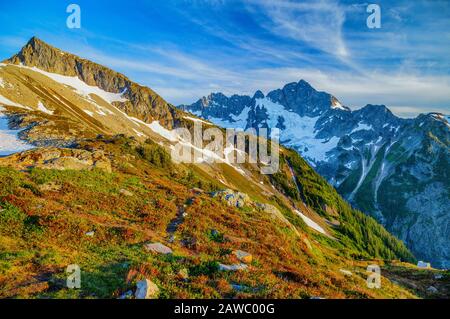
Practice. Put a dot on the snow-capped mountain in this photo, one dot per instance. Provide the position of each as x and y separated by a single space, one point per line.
394 169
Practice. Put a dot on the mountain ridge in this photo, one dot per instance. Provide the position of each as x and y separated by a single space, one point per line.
37 53
352 149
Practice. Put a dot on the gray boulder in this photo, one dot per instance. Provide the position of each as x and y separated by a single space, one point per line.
158 248
146 289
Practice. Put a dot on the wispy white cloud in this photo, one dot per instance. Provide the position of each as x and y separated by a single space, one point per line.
182 78
284 41
316 23
412 111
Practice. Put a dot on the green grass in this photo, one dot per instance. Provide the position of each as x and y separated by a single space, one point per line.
95 180
10 180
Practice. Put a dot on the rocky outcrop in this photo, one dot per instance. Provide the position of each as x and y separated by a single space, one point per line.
146 289
158 248
232 198
235 267
58 159
243 256
229 106
42 130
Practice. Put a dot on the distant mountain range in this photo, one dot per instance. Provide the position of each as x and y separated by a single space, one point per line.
395 169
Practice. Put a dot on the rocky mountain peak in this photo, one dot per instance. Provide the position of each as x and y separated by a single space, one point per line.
35 42
37 53
439 117
304 84
258 95
378 114
302 98
373 108
437 123
142 102
34 46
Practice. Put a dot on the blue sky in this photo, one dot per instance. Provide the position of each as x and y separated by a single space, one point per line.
185 49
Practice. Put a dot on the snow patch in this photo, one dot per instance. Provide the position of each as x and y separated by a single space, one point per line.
89 113
138 133
237 121
337 105
299 131
242 117
9 141
349 165
5 101
308 221
361 127
208 155
103 111
154 126
81 87
196 120
161 130
42 108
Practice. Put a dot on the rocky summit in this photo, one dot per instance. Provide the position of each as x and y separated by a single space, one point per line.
138 101
394 169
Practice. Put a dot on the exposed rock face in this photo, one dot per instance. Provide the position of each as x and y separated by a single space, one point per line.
303 99
243 256
126 192
234 199
59 159
142 103
217 105
235 267
395 169
158 248
146 289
